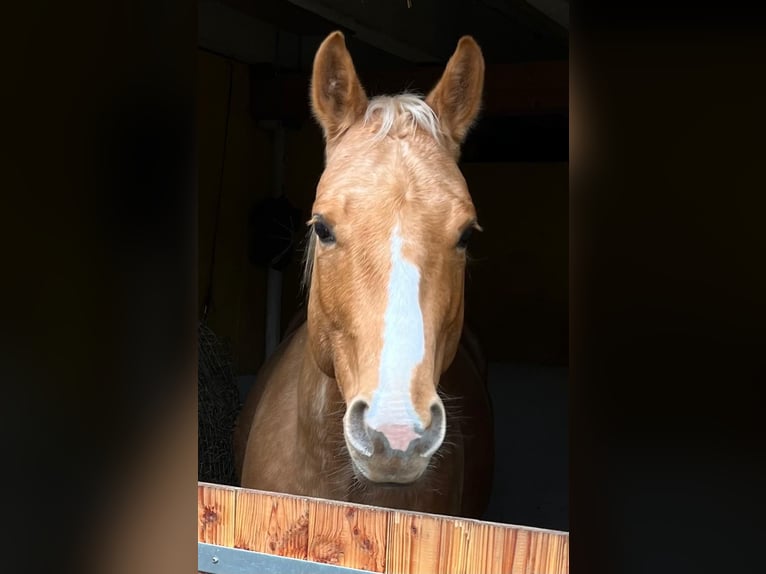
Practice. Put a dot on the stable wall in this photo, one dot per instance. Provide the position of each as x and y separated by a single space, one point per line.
228 186
517 284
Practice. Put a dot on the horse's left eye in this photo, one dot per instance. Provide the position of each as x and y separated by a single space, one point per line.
465 237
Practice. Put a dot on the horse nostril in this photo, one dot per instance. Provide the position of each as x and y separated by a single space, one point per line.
356 429
385 436
435 431
437 415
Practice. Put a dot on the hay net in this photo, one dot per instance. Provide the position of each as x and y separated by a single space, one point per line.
218 406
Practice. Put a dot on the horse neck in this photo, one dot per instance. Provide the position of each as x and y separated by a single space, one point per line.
320 404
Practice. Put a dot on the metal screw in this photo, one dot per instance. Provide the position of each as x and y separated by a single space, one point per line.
215 559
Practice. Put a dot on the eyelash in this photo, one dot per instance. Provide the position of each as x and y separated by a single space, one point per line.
465 237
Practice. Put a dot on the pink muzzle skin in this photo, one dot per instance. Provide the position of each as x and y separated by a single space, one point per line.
399 437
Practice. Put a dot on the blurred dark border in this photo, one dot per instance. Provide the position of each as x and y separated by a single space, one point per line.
667 254
668 289
98 350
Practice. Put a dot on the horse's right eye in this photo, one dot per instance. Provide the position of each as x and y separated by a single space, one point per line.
323 232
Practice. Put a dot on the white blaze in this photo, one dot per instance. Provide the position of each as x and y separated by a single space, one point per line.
403 344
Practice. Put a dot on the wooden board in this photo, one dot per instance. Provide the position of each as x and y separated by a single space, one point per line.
374 539
271 524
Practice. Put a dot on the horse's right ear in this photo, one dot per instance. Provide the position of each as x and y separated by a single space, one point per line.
337 97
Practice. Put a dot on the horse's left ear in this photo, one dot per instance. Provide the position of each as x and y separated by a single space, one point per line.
456 99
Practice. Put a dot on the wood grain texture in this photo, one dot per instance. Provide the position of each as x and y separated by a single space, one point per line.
414 544
216 507
520 553
374 539
486 552
271 524
348 535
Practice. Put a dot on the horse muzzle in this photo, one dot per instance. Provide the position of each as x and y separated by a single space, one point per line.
395 450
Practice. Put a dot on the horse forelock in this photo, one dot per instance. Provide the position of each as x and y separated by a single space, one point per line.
403 114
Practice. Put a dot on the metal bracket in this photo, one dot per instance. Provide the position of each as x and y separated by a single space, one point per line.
213 559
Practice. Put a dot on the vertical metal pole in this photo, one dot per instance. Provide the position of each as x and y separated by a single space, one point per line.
274 277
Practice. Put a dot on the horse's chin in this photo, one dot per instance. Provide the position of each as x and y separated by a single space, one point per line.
387 479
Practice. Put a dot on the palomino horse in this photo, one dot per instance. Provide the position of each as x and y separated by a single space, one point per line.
379 397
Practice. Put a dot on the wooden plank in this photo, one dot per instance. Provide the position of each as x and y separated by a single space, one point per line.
348 535
504 543
486 553
216 507
272 524
520 553
415 544
455 544
374 539
419 544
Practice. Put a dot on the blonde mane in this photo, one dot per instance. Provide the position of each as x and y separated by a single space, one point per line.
401 114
